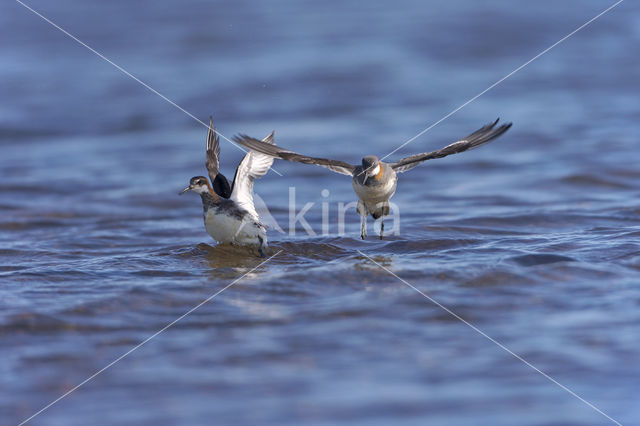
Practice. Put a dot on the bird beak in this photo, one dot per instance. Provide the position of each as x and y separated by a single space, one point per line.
188 188
367 175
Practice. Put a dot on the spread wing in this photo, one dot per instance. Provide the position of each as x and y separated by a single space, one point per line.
253 165
475 139
213 151
283 154
218 180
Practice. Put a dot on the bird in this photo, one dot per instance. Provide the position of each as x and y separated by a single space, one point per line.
229 213
375 181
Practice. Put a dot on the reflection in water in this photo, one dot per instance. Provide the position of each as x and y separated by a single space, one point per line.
365 263
228 256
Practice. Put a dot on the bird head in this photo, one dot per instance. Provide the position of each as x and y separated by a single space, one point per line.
370 166
198 184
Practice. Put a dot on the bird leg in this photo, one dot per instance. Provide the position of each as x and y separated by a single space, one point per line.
363 227
381 227
363 212
260 247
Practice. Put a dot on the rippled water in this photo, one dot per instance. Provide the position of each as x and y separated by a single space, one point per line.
533 238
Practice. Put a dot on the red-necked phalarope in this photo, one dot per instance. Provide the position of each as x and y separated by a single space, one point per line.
229 213
375 181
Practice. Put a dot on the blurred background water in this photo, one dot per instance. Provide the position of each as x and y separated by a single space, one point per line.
532 238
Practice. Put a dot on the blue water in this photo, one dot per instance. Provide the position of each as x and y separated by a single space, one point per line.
533 238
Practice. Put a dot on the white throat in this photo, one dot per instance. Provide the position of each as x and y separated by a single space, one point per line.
201 190
375 171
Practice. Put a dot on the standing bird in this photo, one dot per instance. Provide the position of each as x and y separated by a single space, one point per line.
375 181
229 213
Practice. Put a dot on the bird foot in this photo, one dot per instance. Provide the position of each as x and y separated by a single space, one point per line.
260 248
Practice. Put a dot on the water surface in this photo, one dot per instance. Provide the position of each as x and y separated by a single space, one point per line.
532 238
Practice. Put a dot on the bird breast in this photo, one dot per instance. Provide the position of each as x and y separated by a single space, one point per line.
232 226
376 190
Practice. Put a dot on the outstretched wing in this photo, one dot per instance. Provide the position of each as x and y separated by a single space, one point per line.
218 180
213 151
253 165
283 154
477 138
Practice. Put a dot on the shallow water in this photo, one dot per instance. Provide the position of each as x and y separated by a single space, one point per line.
533 238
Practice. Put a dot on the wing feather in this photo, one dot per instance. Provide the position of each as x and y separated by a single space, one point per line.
283 154
475 139
254 165
213 151
218 180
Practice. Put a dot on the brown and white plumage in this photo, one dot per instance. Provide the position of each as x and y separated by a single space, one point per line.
229 213
475 139
375 181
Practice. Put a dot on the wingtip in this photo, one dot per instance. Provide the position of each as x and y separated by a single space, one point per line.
506 126
502 129
212 134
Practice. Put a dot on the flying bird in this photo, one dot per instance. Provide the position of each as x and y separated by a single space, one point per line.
229 213
375 181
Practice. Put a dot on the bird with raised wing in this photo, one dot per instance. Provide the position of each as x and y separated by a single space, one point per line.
375 181
229 213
